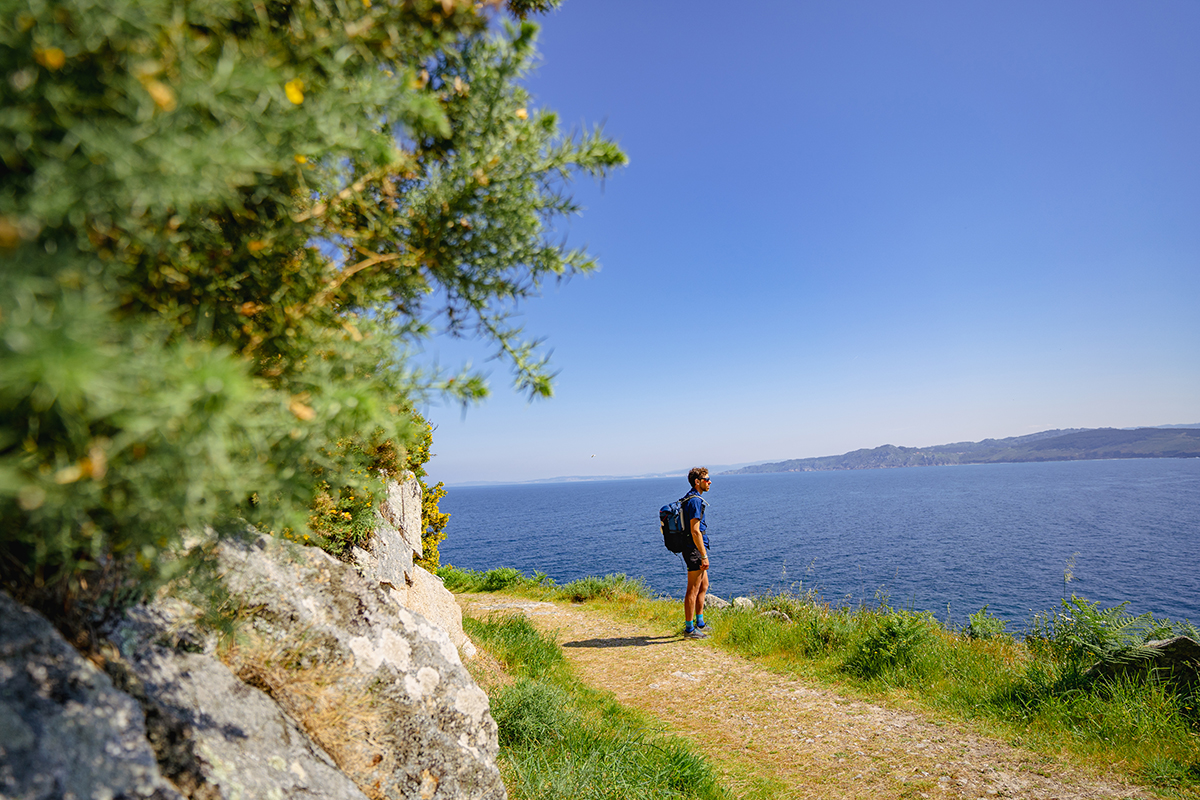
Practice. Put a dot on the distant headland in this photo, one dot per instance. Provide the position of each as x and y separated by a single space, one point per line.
1072 444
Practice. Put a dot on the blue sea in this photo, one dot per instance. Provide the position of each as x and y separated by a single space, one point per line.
949 540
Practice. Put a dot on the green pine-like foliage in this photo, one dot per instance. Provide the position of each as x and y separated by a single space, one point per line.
224 225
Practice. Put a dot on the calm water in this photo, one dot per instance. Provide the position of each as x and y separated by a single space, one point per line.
930 538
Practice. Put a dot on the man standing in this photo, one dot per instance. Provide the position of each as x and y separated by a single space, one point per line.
695 554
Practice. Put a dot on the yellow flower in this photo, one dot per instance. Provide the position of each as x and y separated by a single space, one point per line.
522 114
51 58
301 159
162 95
301 411
295 90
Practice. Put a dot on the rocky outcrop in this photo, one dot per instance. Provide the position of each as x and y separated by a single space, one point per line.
215 736
332 680
388 560
65 731
438 735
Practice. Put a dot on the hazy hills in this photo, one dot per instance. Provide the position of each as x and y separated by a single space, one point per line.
1073 444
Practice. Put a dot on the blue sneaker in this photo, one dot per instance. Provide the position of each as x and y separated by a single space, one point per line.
695 633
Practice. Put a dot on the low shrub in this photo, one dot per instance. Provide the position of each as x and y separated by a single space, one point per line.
817 629
982 625
502 578
616 587
1083 631
897 644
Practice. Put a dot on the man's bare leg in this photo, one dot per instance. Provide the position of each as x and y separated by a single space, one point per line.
694 579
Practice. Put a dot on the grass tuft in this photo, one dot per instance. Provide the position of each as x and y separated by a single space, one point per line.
610 587
531 713
518 645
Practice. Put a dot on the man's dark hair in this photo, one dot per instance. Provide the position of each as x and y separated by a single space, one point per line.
696 474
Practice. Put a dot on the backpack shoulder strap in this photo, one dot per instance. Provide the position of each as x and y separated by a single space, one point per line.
687 497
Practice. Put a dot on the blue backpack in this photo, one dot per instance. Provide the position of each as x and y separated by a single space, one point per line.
676 536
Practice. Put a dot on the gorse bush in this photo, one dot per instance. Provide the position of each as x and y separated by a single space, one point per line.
345 518
224 226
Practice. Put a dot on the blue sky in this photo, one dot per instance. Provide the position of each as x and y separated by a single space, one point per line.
853 224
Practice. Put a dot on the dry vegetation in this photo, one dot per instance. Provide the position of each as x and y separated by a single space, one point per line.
331 701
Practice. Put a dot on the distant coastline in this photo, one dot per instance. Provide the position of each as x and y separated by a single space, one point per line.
1073 444
1069 444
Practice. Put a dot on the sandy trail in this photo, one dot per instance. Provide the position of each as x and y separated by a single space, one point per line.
814 743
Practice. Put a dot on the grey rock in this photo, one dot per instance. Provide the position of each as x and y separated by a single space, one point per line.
1176 659
715 602
442 731
743 602
388 557
776 614
215 736
168 621
65 731
431 599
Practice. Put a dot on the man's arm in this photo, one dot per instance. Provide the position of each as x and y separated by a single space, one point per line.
698 539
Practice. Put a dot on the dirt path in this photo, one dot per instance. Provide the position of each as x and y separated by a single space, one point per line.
754 724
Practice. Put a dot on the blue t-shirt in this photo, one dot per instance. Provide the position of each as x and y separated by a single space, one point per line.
693 508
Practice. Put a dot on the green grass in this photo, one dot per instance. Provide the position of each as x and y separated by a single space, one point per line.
1035 692
560 739
610 587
